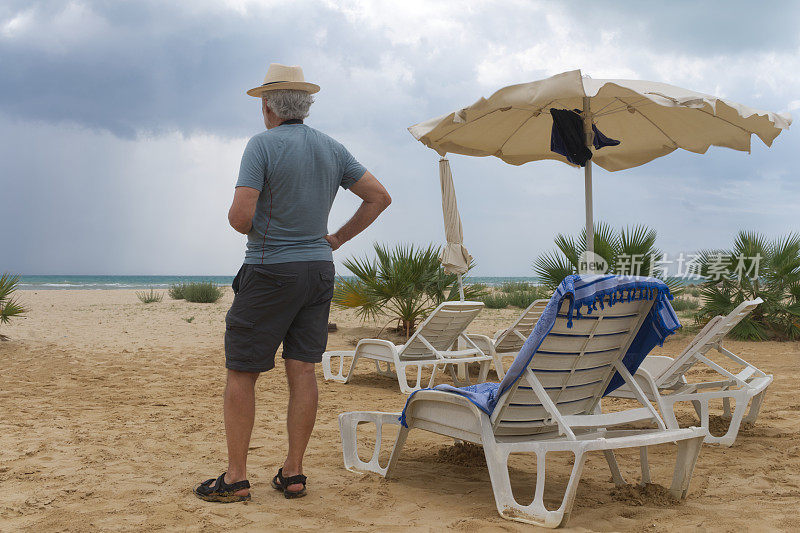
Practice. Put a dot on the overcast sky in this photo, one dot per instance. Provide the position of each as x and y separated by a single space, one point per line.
122 123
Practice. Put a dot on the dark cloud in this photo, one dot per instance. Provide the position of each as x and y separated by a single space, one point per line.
698 28
154 67
149 66
121 123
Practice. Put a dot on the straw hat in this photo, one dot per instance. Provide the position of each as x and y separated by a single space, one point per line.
283 77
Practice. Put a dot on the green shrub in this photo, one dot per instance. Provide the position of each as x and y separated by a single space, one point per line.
514 293
204 292
176 291
693 291
478 286
682 304
497 300
515 286
523 299
149 296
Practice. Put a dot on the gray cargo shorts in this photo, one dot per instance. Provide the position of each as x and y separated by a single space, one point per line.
285 303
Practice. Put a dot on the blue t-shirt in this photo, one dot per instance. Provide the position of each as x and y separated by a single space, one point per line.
298 171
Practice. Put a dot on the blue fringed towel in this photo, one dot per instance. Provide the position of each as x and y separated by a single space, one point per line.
586 293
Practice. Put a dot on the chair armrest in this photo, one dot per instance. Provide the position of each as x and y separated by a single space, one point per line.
482 341
378 347
654 365
377 342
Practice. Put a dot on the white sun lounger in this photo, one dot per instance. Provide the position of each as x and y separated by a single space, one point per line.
429 346
663 379
551 408
508 342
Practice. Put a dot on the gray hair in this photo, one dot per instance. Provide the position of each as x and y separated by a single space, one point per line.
289 103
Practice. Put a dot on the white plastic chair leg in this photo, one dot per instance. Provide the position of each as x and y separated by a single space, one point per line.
688 451
396 449
498 365
348 427
645 465
402 377
696 406
667 412
483 374
433 376
726 407
616 474
755 407
735 423
459 373
387 372
339 374
462 372
534 513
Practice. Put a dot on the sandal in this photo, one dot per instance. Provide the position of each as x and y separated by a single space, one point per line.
220 491
280 483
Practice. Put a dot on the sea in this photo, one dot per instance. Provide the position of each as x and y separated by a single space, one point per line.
52 282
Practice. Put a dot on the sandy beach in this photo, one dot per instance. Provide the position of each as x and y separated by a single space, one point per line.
112 413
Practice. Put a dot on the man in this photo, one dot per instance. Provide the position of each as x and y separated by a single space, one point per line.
288 179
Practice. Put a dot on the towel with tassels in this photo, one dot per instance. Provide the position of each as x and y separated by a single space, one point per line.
585 291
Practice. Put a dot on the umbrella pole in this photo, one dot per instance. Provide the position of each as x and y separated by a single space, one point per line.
460 287
587 174
587 128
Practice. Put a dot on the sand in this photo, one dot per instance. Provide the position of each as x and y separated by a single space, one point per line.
111 413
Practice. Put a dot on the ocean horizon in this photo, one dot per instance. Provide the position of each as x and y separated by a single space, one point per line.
108 282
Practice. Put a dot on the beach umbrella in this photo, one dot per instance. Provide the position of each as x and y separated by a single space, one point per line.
455 258
650 119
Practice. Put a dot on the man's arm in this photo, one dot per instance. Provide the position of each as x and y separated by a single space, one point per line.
240 215
375 200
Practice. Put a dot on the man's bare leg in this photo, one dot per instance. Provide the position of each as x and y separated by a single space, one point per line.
301 415
240 412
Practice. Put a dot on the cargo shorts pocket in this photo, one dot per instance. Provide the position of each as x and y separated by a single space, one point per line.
270 277
239 337
326 284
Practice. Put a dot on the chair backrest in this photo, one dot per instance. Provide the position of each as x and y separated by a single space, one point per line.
441 329
574 365
512 339
709 337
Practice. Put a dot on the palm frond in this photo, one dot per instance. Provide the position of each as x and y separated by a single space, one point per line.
404 282
9 306
759 268
551 268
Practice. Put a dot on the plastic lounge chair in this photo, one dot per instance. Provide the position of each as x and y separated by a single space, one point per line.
663 379
429 346
550 407
508 342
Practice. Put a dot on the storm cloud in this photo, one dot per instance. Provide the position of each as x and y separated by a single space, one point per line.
122 123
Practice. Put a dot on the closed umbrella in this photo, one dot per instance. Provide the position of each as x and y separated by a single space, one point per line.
651 119
455 258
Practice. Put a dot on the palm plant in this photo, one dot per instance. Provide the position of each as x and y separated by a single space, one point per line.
404 283
9 307
632 250
755 268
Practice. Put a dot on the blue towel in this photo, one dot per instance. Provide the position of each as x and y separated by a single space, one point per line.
584 292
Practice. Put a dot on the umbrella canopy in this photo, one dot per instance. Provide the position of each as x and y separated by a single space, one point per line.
454 257
651 119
